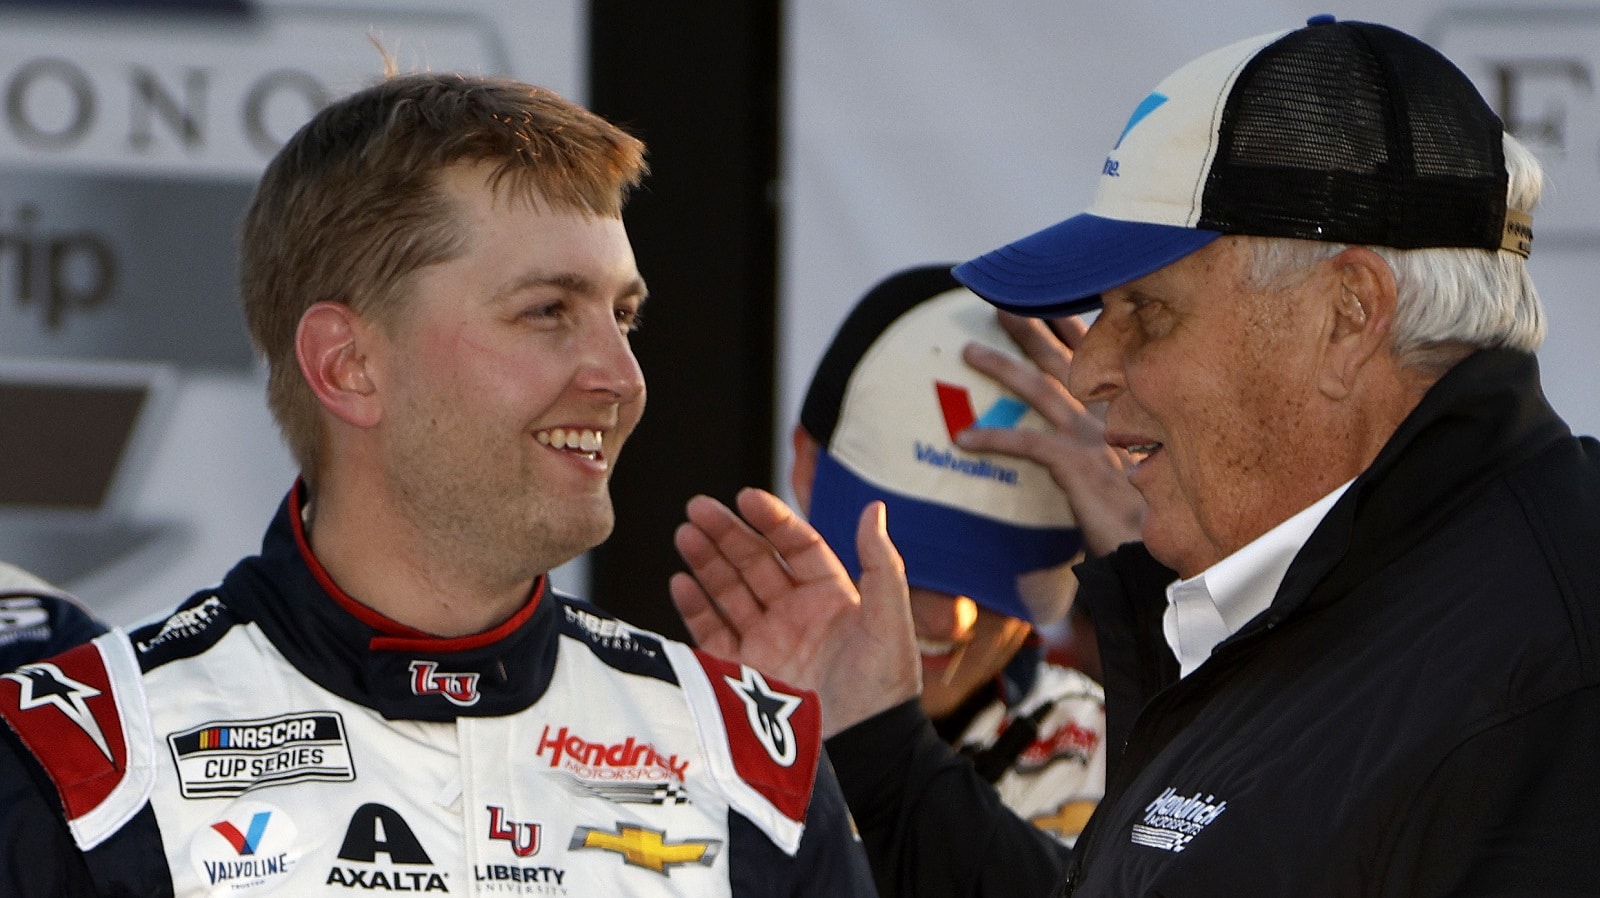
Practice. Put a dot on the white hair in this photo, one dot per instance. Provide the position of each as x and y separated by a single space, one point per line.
1446 297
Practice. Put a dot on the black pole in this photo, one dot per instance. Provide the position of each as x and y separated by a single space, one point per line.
699 83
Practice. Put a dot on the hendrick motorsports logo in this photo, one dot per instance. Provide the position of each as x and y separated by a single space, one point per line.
628 760
644 792
1172 820
221 759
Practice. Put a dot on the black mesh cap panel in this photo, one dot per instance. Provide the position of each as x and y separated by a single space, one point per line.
1352 132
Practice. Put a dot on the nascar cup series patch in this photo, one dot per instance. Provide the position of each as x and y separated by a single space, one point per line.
227 758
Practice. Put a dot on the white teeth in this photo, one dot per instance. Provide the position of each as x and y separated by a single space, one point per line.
1142 451
588 442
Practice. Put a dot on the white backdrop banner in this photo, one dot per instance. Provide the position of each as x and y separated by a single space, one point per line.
923 131
138 461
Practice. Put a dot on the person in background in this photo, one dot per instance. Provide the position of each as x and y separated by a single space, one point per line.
390 696
1355 651
919 375
988 542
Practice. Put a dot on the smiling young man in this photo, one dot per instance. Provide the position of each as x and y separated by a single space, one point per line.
389 696
1355 651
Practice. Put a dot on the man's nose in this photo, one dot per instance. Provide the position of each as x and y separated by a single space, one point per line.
1096 373
611 367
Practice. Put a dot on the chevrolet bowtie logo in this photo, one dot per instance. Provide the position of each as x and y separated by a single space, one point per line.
647 848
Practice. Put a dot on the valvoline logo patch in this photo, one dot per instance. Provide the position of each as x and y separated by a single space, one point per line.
250 848
956 404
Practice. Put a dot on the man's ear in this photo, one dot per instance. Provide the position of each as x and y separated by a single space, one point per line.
1363 303
803 470
331 346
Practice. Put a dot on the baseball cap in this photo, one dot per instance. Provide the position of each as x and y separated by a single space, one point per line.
885 404
1347 132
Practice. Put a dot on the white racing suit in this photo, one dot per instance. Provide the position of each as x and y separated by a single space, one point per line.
1056 777
274 736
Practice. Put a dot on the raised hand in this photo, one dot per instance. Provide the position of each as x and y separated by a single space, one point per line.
1093 475
765 590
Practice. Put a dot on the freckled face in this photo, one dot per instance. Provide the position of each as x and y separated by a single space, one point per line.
1208 383
511 383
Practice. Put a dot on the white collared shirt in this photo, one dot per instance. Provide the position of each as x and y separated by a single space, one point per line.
1213 604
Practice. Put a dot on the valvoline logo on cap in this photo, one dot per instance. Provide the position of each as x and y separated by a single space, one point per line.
1146 106
1151 103
956 404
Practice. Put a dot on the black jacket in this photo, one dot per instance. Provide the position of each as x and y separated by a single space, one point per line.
1417 713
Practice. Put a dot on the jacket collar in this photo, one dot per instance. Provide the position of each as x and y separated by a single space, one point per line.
361 655
1487 414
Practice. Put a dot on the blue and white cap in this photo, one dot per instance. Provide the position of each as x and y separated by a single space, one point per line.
885 404
1345 132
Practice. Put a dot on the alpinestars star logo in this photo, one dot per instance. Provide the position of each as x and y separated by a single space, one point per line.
768 712
45 684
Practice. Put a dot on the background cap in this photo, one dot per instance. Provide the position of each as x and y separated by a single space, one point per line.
885 404
1347 132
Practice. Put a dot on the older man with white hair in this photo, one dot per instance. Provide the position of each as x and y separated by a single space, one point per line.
1357 651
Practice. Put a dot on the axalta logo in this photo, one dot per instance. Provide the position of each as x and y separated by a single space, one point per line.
224 758
457 688
1172 820
251 848
382 854
524 837
647 848
629 759
768 712
186 623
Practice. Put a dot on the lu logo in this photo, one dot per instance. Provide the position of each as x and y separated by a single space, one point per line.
524 837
